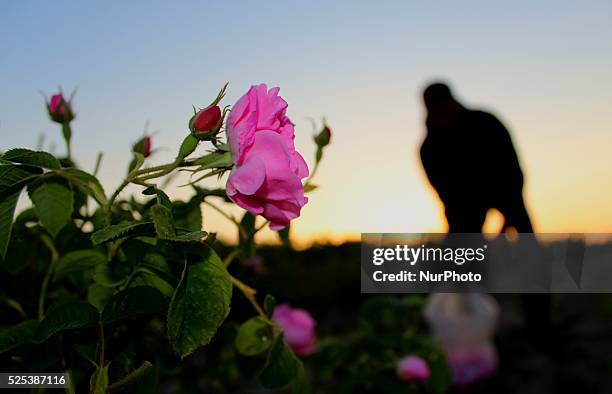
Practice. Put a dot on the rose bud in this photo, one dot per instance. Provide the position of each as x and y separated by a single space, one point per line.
298 328
143 146
413 369
267 175
59 109
323 138
207 120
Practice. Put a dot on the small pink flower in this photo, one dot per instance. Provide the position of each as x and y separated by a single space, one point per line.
59 109
298 328
267 173
413 369
207 119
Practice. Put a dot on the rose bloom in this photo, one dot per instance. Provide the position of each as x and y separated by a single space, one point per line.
267 175
298 328
413 369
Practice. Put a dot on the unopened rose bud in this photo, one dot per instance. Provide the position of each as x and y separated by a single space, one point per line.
413 369
207 120
143 146
323 138
59 109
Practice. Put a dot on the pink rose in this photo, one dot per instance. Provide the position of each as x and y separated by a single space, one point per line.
267 173
59 109
413 369
298 328
469 364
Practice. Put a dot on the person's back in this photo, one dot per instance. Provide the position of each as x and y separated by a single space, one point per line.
470 161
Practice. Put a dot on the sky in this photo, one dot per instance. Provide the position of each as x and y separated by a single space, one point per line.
543 68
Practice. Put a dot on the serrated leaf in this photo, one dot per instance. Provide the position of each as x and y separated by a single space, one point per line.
163 220
87 183
19 334
282 366
254 336
53 202
191 236
187 215
140 300
64 316
7 211
200 303
34 158
77 261
162 197
123 230
13 178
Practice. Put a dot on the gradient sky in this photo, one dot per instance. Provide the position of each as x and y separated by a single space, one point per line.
544 69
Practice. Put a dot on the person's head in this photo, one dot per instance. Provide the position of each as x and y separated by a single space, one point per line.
440 103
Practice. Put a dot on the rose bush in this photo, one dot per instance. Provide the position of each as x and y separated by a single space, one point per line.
114 275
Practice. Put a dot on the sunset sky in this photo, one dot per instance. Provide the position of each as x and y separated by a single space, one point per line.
544 69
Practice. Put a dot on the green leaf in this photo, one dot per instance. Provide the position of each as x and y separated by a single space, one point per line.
13 178
98 383
98 295
146 277
87 183
164 222
282 366
140 300
53 202
64 316
7 211
123 230
192 236
11 337
110 274
162 198
269 304
78 261
214 160
200 303
34 158
187 215
299 384
254 336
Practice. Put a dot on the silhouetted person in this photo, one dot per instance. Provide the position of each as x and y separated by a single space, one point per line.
470 161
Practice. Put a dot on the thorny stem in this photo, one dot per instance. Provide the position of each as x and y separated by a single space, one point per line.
131 377
45 284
